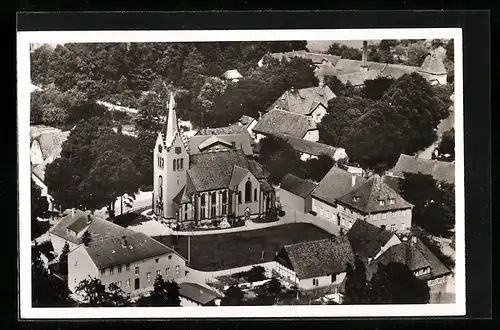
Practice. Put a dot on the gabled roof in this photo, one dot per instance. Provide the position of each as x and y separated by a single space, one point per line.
297 186
336 183
367 197
213 170
358 78
320 258
366 239
51 142
237 175
98 228
284 122
433 64
441 171
437 267
232 74
405 253
246 120
197 293
242 141
394 182
183 196
111 251
310 147
303 101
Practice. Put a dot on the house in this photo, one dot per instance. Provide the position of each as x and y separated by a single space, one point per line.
416 255
369 241
311 101
247 122
336 183
439 170
193 294
311 150
232 75
376 202
222 142
316 58
320 264
343 197
131 261
279 122
193 188
356 72
46 146
295 193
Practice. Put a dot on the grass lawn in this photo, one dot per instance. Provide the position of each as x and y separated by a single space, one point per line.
223 251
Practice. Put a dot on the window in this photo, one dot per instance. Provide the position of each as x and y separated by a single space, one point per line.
178 164
392 201
174 163
148 276
127 267
157 259
393 227
76 263
213 205
119 268
203 206
167 271
160 187
127 284
403 227
177 150
160 148
393 214
233 144
355 198
239 197
158 272
381 202
248 191
119 284
74 280
111 270
182 163
384 215
224 202
334 278
169 257
315 282
136 270
177 269
255 195
185 211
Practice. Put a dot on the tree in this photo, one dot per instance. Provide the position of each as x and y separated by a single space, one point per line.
279 158
356 285
86 238
274 288
379 55
434 203
447 143
335 84
39 207
63 259
165 293
374 89
450 50
386 45
394 283
344 51
435 43
47 290
233 297
96 295
416 54
316 168
193 66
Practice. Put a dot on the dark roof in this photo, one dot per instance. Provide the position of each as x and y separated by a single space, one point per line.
199 143
110 251
210 171
303 101
441 171
99 228
237 175
265 186
197 293
297 186
394 182
437 267
320 258
358 78
47 250
367 196
336 183
183 196
80 223
246 120
284 122
316 58
232 129
407 254
310 147
366 239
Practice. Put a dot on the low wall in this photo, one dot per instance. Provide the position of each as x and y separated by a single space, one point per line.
210 277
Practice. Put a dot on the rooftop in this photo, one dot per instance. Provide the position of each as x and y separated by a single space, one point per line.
366 239
297 186
303 101
336 183
374 196
310 147
284 123
197 293
200 143
439 170
319 258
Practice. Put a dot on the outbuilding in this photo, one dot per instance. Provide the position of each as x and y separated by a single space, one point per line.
296 192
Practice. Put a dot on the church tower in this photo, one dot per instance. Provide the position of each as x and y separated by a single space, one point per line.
171 161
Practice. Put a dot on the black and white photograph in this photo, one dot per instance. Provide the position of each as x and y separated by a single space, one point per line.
294 173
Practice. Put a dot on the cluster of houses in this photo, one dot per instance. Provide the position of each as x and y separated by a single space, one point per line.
213 174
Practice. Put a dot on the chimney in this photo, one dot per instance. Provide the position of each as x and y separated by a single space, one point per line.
292 89
124 241
321 84
353 181
382 227
73 212
89 219
364 65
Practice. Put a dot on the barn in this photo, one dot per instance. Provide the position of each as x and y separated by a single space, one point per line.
296 192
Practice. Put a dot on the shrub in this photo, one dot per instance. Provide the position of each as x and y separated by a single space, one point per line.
281 213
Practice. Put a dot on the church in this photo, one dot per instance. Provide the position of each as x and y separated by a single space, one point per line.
193 188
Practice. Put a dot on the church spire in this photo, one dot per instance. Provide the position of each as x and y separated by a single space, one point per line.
172 125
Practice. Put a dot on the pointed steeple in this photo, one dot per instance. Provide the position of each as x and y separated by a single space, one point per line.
172 125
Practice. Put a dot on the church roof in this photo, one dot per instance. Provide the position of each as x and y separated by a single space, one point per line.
199 143
172 127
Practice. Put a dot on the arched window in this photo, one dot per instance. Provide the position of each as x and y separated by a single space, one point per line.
182 163
160 148
179 164
239 197
248 191
213 204
160 187
255 195
203 206
174 164
224 202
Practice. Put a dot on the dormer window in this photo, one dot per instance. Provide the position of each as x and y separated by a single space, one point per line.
392 201
381 202
233 144
355 199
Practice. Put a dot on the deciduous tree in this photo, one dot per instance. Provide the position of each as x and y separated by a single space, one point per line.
233 297
39 207
165 293
356 286
374 89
